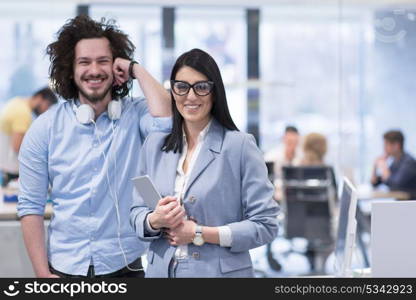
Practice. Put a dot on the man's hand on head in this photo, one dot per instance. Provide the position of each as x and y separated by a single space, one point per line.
121 70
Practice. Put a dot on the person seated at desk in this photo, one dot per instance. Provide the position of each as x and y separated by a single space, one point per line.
314 150
395 168
287 154
15 120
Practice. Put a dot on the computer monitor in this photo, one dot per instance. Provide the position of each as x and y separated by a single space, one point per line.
347 226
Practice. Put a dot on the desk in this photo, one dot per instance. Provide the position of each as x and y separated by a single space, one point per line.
8 211
14 261
366 196
366 192
398 195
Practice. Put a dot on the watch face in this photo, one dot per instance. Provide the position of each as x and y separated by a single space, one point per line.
198 240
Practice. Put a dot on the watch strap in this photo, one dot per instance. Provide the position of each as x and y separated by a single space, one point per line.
198 229
131 74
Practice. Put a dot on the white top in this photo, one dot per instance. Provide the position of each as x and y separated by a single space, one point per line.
277 156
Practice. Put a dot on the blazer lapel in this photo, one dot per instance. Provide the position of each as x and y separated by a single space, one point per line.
211 147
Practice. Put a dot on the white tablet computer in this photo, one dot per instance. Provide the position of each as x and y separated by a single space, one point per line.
147 191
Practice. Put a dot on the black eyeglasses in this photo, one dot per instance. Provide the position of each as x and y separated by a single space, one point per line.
201 88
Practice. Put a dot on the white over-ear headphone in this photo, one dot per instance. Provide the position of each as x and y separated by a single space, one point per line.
85 113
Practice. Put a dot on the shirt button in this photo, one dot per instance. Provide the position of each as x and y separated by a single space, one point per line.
195 255
192 199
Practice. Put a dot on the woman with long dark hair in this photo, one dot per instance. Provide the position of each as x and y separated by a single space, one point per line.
217 199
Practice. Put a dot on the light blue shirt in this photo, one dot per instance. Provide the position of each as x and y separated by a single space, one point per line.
88 168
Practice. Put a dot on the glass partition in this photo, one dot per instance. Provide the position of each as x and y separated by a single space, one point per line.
222 33
25 31
344 71
143 25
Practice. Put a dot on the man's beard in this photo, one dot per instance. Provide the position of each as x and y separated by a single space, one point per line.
94 98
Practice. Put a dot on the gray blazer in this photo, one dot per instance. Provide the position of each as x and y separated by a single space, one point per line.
228 186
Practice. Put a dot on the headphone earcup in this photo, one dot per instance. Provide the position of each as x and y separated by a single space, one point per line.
114 110
84 114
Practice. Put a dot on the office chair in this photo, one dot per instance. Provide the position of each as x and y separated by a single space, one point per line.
309 199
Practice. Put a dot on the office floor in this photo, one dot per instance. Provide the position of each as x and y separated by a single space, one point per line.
291 256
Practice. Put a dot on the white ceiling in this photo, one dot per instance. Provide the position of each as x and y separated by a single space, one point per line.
248 3
63 8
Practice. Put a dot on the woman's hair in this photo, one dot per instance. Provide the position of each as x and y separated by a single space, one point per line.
203 63
62 53
314 149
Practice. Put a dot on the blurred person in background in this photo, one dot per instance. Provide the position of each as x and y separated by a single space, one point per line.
314 150
287 154
15 119
395 168
315 147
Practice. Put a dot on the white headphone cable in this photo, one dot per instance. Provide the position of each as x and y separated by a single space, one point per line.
115 198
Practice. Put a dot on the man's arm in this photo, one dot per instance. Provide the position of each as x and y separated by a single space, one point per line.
157 97
34 237
375 179
403 176
33 188
381 171
159 101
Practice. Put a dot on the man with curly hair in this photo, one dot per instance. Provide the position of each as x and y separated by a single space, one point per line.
85 151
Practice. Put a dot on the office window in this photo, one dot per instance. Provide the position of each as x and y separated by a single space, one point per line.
143 25
311 60
25 31
389 70
222 33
